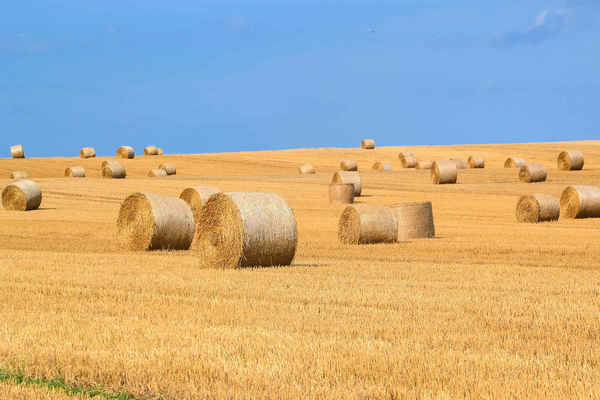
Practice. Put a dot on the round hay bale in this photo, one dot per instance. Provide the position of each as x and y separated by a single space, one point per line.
169 168
153 222
537 208
443 172
197 197
415 220
580 202
570 160
381 166
424 165
22 195
352 177
246 229
306 169
367 223
17 151
514 162
476 162
87 152
113 169
157 172
151 151
367 144
341 193
75 172
159 151
19 175
460 164
408 160
530 173
348 165
125 152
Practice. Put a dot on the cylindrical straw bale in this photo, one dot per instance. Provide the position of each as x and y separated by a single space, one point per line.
580 202
382 166
87 152
570 160
246 229
196 197
444 171
460 164
113 169
19 175
306 169
157 172
17 151
514 162
424 164
348 165
537 208
476 162
159 151
153 222
75 172
415 220
341 193
408 160
151 151
125 152
22 195
169 168
367 223
352 177
532 173
368 144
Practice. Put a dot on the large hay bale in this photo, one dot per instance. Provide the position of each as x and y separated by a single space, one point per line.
348 165
153 222
125 152
580 202
367 223
444 171
196 197
246 229
16 151
368 144
306 169
476 162
113 169
460 164
352 177
169 168
22 195
514 162
382 166
415 220
531 172
341 193
19 175
424 164
75 172
157 173
87 152
537 208
570 160
408 160
150 151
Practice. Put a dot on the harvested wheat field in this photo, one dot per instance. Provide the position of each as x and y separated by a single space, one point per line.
489 308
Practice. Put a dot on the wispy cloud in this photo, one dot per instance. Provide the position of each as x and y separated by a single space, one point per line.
548 24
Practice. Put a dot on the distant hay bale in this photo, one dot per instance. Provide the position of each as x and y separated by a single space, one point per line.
537 208
460 164
169 168
157 173
19 175
368 144
341 193
75 172
408 160
382 166
125 152
570 160
87 152
246 229
352 177
151 151
514 162
196 197
17 151
306 169
367 223
531 172
159 151
444 171
348 165
113 169
580 202
415 220
153 222
476 162
22 195
424 165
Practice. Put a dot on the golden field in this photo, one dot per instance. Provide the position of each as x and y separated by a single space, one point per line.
488 309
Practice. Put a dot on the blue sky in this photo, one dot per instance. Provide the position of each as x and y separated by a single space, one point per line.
213 76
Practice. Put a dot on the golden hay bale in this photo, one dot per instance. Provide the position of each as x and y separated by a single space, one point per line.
75 172
87 152
408 160
22 195
169 168
367 223
341 193
570 160
306 169
537 208
17 151
514 162
19 175
159 151
367 144
460 164
157 172
476 162
415 220
424 165
197 197
246 229
381 166
151 151
153 222
532 173
352 177
125 152
348 165
580 202
113 169
444 171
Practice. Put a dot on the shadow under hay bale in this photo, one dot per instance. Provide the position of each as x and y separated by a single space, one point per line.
382 166
476 162
75 172
125 152
352 177
580 202
530 173
415 220
16 151
22 195
514 162
408 160
348 165
368 144
366 224
87 152
306 169
570 160
169 168
444 172
537 208
340 193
